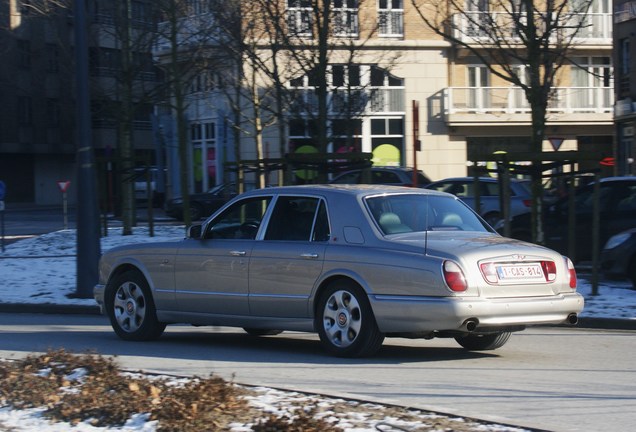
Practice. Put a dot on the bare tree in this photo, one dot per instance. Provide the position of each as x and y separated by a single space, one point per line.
190 41
506 34
286 40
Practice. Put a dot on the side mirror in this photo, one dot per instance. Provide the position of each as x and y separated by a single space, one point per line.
194 231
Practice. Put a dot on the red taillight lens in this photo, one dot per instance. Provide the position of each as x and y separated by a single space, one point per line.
527 202
454 276
549 270
571 274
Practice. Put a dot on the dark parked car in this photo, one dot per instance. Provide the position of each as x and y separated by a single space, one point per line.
395 176
617 199
618 257
353 263
202 204
464 188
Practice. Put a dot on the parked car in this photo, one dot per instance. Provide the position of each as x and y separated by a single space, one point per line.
489 196
395 176
618 257
145 185
202 204
617 201
355 264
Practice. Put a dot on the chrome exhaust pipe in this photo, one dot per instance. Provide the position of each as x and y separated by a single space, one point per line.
573 319
470 324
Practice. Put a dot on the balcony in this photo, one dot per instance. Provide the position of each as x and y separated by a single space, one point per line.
192 32
508 105
471 27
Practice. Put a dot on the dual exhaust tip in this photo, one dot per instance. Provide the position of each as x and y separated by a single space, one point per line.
470 325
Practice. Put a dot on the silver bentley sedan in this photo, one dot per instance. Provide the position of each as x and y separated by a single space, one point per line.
354 263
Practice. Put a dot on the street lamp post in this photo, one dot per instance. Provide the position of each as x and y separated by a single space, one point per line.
88 246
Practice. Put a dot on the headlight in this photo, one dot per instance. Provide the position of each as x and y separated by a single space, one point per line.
616 240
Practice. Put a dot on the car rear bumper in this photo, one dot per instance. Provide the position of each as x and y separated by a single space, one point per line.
397 314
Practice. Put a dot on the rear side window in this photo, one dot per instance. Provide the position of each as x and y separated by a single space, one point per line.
298 219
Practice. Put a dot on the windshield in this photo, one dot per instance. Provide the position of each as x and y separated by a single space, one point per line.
403 213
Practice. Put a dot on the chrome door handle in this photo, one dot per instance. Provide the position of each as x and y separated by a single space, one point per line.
238 253
309 255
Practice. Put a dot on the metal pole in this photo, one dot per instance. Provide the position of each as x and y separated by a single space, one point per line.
88 246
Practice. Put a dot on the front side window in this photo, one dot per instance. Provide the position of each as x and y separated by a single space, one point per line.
240 221
391 17
298 219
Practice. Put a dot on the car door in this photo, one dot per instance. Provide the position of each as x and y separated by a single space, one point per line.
285 265
211 274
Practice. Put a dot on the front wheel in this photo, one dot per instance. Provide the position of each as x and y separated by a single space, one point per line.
130 307
483 342
345 321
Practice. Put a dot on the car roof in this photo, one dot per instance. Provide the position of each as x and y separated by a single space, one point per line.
486 179
343 189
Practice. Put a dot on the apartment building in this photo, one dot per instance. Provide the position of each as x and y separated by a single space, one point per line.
625 60
37 123
465 112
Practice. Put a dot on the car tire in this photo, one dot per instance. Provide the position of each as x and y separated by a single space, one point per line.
261 332
345 322
131 309
483 342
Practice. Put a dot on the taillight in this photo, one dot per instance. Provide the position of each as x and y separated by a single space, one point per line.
549 270
571 274
527 202
490 272
454 277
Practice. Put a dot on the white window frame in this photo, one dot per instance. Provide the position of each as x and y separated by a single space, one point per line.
391 18
299 18
346 21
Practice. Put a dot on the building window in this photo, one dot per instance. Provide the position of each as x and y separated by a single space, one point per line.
624 65
391 17
52 58
299 17
52 113
387 141
25 111
345 21
203 140
24 54
478 83
592 83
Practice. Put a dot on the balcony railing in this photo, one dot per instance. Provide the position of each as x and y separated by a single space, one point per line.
472 27
512 100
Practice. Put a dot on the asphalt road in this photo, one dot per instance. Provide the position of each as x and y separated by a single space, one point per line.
557 379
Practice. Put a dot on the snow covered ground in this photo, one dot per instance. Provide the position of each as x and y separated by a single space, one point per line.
42 270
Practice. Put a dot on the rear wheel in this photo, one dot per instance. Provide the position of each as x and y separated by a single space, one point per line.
345 321
483 342
130 307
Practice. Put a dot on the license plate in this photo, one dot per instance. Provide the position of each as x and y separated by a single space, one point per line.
520 272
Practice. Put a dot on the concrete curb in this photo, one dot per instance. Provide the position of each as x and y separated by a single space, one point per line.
48 308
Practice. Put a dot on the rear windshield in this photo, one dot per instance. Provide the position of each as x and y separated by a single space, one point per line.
401 213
